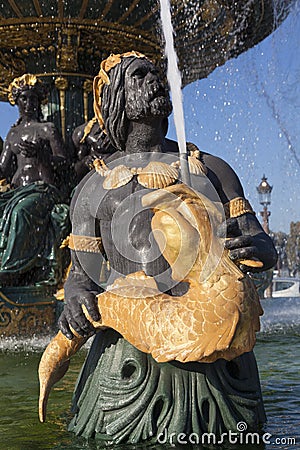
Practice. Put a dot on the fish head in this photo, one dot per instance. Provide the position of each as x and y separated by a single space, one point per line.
184 225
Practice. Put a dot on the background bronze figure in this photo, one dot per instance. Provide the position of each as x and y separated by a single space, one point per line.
33 213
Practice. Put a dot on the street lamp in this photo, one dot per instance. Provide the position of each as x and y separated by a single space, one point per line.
264 192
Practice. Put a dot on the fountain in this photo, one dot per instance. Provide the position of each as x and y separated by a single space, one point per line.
73 38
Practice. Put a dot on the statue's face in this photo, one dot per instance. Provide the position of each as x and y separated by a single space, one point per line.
144 92
28 103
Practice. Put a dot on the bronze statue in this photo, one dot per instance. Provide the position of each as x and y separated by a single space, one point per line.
178 376
33 215
90 143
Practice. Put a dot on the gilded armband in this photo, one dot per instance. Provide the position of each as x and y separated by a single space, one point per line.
237 207
80 243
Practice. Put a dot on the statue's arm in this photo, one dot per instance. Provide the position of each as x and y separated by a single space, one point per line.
79 290
7 162
81 287
81 148
59 152
83 157
245 237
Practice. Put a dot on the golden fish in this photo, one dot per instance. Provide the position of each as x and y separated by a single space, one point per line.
216 318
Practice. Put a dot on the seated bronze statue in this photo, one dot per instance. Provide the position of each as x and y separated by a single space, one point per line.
90 143
33 213
176 322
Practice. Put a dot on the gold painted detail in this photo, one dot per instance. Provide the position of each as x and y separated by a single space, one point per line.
237 207
102 78
22 318
99 164
89 244
65 242
61 84
4 186
87 89
117 177
213 32
10 67
18 84
25 321
11 302
88 129
156 175
196 166
68 45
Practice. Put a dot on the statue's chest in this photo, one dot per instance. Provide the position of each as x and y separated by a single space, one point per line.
123 202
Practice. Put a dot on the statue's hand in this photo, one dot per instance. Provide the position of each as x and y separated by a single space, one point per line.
28 149
88 160
245 241
73 315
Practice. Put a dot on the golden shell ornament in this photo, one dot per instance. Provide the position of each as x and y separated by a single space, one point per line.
196 167
117 177
157 175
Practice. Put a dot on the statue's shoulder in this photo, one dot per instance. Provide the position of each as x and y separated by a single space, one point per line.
11 132
12 135
82 132
78 133
48 127
223 177
217 164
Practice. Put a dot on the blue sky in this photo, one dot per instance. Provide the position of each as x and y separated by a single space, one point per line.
248 113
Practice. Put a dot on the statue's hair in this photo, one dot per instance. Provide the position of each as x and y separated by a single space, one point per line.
24 83
113 105
109 98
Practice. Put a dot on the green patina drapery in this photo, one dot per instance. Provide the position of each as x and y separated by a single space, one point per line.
125 396
33 222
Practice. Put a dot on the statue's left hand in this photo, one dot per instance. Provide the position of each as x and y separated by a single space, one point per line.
245 240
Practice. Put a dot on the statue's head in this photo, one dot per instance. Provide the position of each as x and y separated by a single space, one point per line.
28 92
128 88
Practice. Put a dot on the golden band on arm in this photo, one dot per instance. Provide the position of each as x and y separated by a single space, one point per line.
237 207
79 243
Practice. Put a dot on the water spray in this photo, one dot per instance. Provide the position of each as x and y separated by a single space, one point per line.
174 79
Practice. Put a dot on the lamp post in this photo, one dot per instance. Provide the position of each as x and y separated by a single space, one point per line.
264 192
